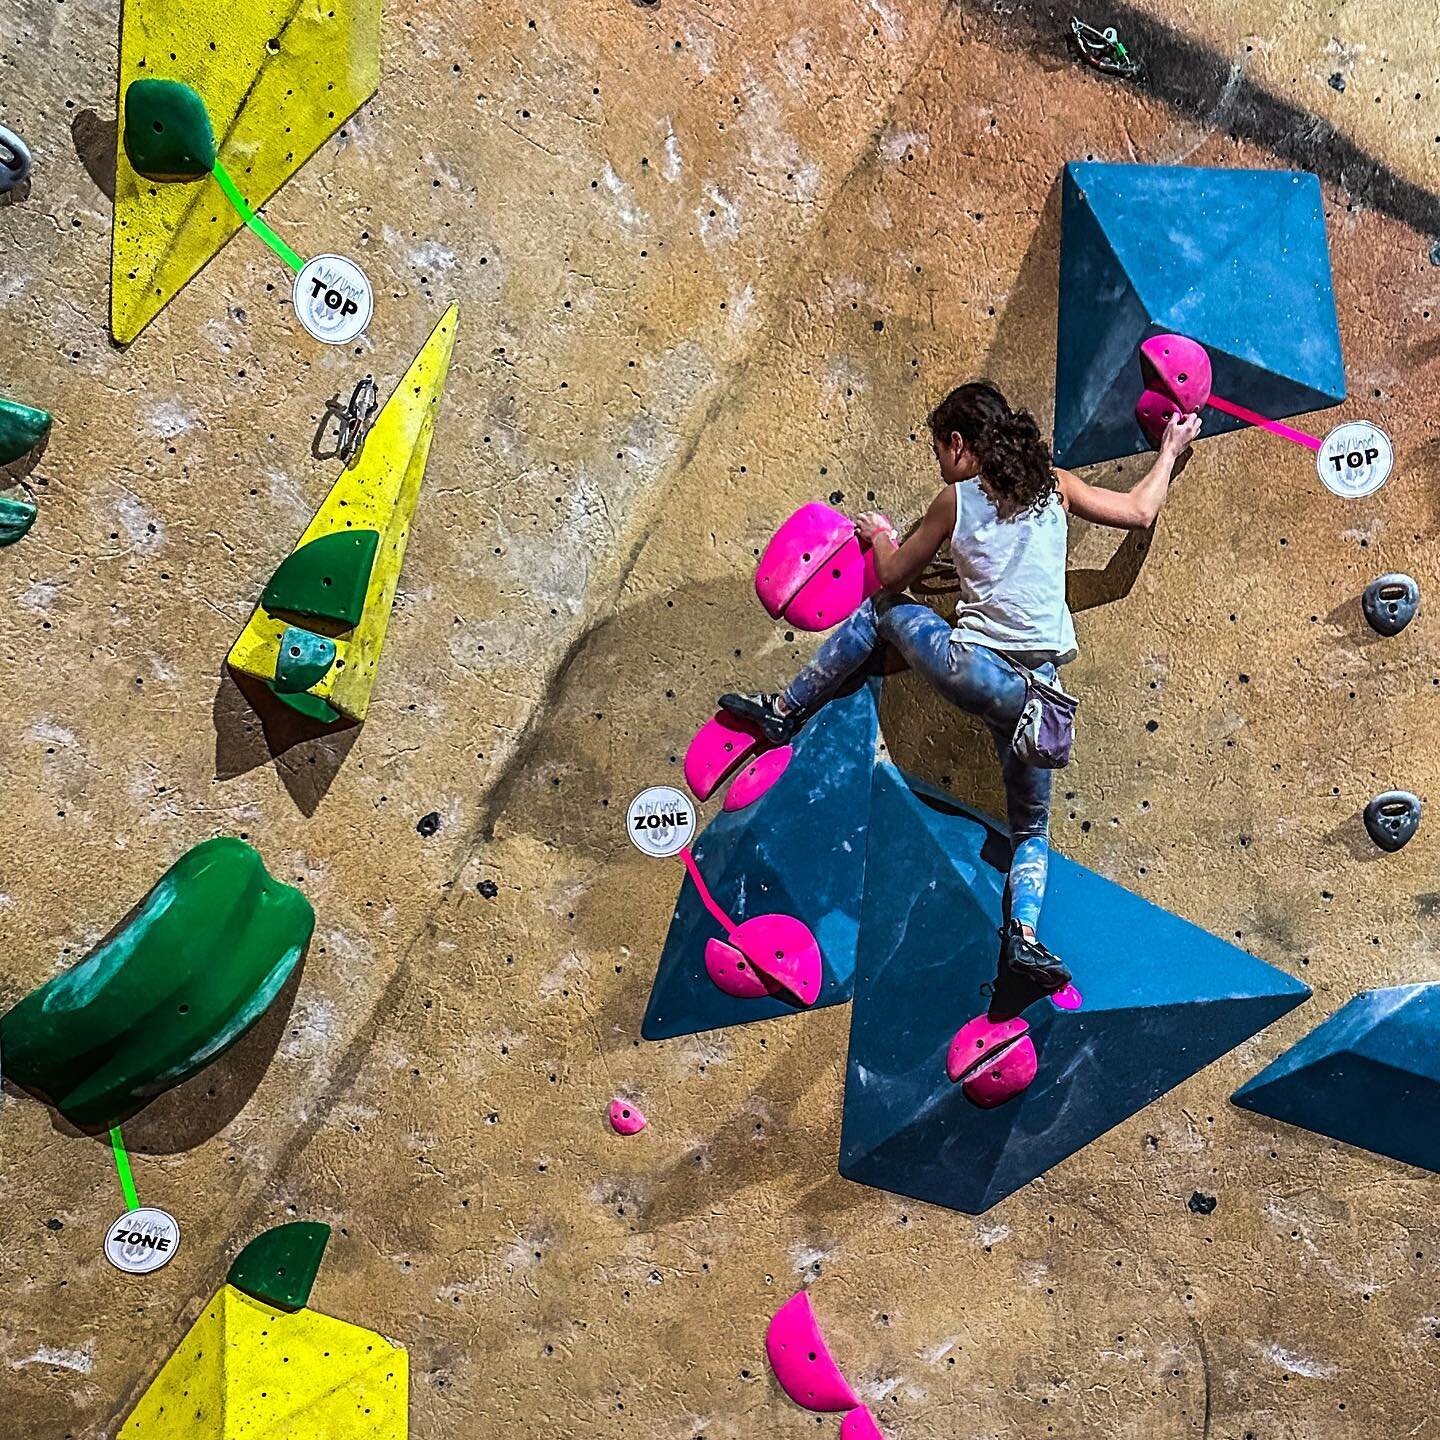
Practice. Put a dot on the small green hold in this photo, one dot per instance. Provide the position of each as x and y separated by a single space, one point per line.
279 1266
22 428
312 707
304 658
167 131
16 518
327 577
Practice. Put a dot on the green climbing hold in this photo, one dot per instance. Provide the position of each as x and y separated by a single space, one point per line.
22 428
304 658
16 518
167 131
166 993
312 707
326 578
279 1266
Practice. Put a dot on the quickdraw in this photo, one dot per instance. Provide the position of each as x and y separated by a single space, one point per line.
1103 50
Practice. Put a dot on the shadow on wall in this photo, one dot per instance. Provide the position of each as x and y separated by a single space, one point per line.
252 728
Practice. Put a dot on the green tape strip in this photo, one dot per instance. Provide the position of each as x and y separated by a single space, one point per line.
122 1166
232 193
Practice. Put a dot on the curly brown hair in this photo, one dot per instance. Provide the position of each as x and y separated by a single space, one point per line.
1014 460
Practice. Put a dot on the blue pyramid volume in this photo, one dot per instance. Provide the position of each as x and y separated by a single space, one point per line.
1236 259
799 850
1162 999
1369 1075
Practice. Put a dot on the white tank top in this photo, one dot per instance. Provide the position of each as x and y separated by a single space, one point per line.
1012 575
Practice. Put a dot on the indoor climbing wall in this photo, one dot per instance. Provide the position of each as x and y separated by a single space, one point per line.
712 262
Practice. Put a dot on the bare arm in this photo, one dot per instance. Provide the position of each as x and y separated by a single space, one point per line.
1133 509
899 564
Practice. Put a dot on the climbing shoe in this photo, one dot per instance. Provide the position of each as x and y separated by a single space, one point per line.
762 712
1024 959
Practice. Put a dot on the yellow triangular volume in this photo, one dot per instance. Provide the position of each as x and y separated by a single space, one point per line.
249 1370
278 78
379 494
186 1400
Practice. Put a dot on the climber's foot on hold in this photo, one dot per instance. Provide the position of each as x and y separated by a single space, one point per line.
765 713
1023 957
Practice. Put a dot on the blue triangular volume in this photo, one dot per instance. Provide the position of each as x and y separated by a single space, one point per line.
1236 259
1163 999
1369 1075
800 850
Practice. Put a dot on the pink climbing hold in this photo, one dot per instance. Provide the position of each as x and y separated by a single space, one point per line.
732 972
625 1118
1178 367
1153 411
994 1060
860 1425
784 953
801 1361
1068 998
796 552
720 747
756 778
837 590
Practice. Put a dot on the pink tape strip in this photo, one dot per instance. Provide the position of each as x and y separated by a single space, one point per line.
1273 426
706 899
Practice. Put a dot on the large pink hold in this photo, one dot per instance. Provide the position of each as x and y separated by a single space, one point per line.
801 1361
757 778
625 1118
720 747
815 572
994 1060
785 953
860 1425
1177 376
1178 367
796 552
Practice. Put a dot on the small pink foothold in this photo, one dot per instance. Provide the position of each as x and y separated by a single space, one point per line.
625 1118
756 778
1067 999
720 747
1179 368
994 1060
801 1361
732 972
796 552
860 1425
785 953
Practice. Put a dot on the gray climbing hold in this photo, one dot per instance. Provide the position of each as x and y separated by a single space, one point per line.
1392 818
1390 603
14 160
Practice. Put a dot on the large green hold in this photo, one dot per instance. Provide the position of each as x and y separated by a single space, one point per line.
22 428
279 1265
200 961
327 578
168 135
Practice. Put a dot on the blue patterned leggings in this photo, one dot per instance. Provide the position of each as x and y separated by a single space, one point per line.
969 676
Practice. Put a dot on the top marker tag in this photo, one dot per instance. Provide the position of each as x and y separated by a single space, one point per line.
1355 459
333 299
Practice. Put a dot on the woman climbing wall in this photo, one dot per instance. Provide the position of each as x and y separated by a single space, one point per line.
1002 508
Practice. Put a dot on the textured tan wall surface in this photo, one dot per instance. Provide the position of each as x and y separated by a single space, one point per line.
675 233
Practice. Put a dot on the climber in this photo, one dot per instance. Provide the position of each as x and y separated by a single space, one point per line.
1002 508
